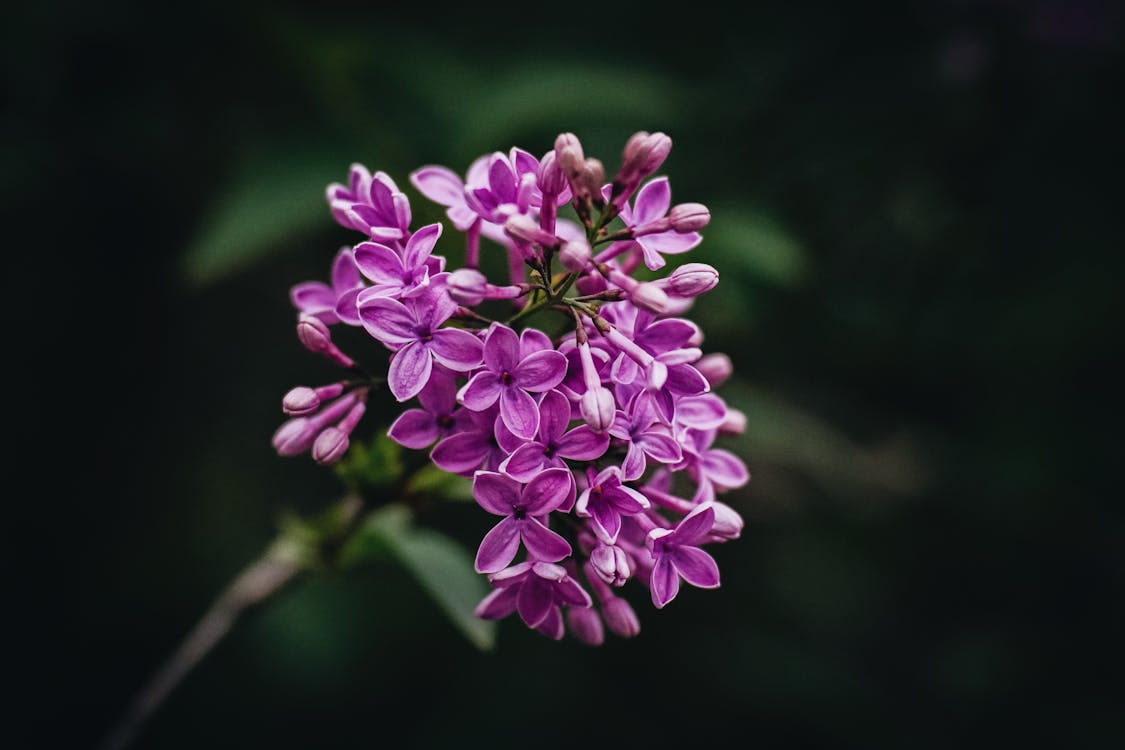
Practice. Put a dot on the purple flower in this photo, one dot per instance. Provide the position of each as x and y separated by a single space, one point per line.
652 203
553 442
536 590
508 186
320 300
444 187
438 417
638 425
396 275
677 555
371 204
712 467
606 500
525 511
507 376
472 448
412 330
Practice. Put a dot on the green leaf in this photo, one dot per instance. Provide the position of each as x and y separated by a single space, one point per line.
757 245
440 564
430 480
373 466
273 199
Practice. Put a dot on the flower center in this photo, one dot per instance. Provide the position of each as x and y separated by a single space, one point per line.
445 421
505 377
519 513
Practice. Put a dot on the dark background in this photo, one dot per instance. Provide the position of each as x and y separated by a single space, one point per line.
917 220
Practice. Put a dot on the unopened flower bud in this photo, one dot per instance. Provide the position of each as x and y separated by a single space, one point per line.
300 401
571 158
467 286
649 296
716 368
330 446
522 227
550 177
611 564
593 177
728 524
734 423
598 408
691 280
620 617
643 155
575 255
586 625
689 217
294 436
313 333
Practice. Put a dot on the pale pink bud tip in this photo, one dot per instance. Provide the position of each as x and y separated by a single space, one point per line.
300 401
689 217
650 297
716 368
597 408
692 280
467 286
611 564
313 333
330 446
575 255
620 617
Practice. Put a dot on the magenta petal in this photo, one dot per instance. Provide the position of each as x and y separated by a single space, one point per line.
607 521
502 180
346 309
498 604
535 601
665 582
667 334
704 412
554 416
695 566
499 547
547 491
439 397
481 391
501 349
421 245
379 263
345 275
582 444
661 447
627 500
439 184
686 380
633 467
462 453
386 319
724 468
541 371
433 306
552 625
653 259
568 591
653 201
414 428
312 296
496 493
694 526
519 412
504 437
525 462
410 370
542 543
456 349
533 340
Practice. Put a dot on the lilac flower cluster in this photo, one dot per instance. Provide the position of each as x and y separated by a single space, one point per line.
592 440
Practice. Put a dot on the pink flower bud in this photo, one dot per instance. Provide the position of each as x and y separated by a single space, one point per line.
620 617
572 160
593 177
551 180
689 217
734 423
643 155
691 280
611 564
314 334
522 227
575 255
716 368
294 436
649 296
598 408
728 524
330 446
586 625
300 401
591 283
467 286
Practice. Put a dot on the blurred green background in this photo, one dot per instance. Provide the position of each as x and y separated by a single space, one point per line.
917 221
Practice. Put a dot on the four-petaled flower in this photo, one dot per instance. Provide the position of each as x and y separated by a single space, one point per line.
525 510
322 301
438 417
677 555
395 275
553 442
536 590
651 204
638 425
605 500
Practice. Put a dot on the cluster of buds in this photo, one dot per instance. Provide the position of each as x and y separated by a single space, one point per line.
589 435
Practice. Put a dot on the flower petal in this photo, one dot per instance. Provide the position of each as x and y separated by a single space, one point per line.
346 308
627 500
569 591
552 625
535 601
439 397
415 428
456 349
540 371
653 201
502 179
695 566
554 416
345 274
312 297
533 340
421 245
685 380
499 547
607 521
379 263
665 582
439 184
519 411
387 320
724 468
665 335
542 543
496 493
705 412
481 391
501 349
498 604
462 453
660 446
525 462
582 444
633 467
410 370
547 491
694 526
